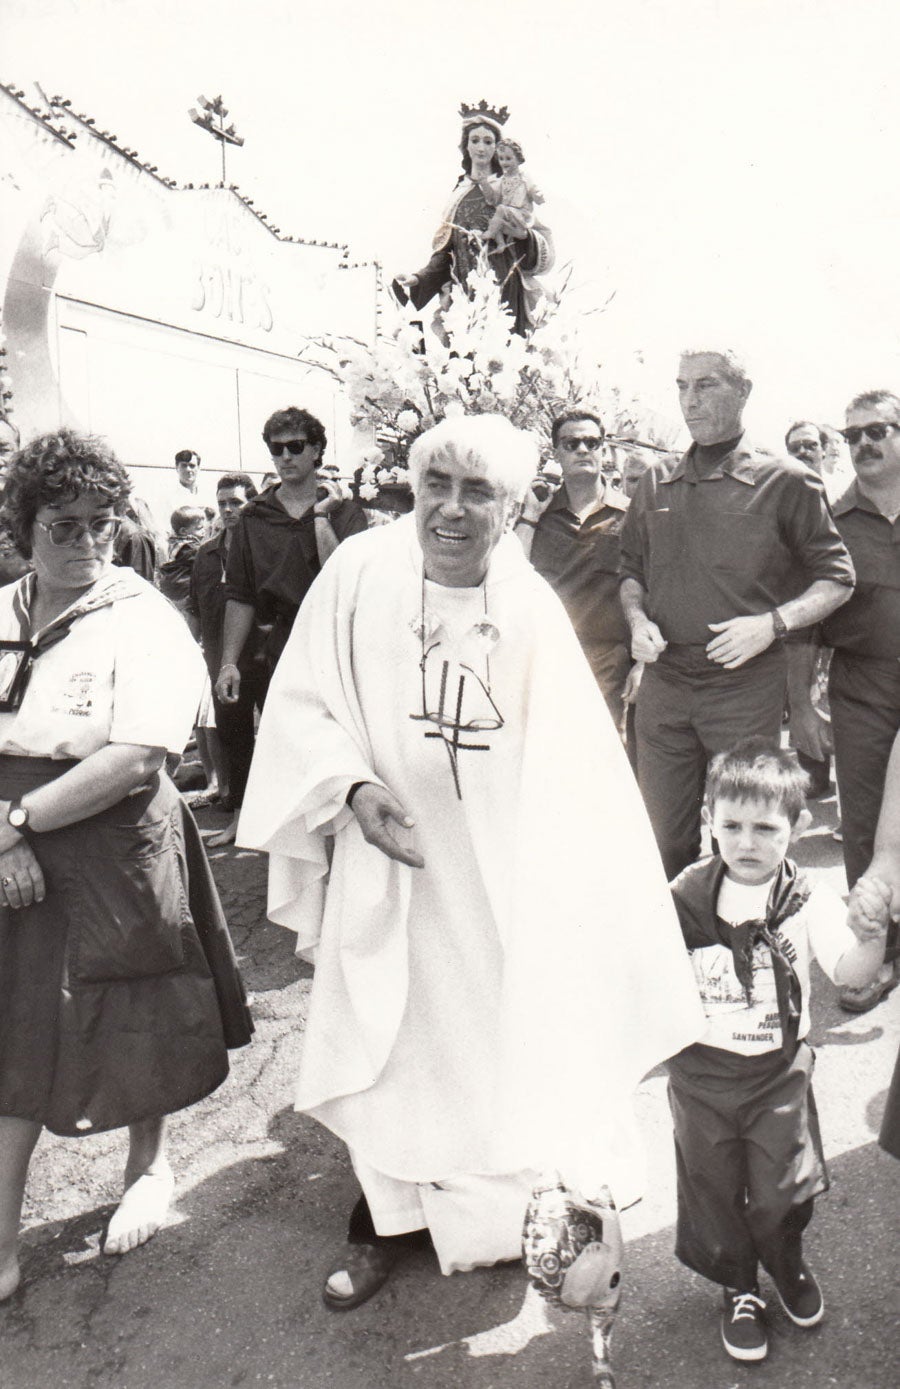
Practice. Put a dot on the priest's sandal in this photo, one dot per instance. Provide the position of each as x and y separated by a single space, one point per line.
363 1269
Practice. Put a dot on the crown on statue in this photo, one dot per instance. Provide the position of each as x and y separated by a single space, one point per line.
482 112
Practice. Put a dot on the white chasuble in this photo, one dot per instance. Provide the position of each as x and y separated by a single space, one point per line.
490 1013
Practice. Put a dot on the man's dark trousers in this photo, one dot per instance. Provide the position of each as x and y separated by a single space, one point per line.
688 709
236 727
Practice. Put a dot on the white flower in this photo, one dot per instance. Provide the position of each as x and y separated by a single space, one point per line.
453 409
409 337
408 420
368 491
455 371
505 384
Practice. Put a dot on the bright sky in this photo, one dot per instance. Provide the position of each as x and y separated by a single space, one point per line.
729 168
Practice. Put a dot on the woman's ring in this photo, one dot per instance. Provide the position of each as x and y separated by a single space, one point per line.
6 881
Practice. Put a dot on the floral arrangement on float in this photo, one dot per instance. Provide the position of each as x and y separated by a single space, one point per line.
466 360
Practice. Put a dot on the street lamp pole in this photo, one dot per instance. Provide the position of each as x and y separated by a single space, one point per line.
213 120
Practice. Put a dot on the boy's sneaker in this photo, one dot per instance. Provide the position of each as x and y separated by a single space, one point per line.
803 1300
743 1329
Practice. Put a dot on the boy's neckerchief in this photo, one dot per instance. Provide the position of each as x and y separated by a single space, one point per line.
696 895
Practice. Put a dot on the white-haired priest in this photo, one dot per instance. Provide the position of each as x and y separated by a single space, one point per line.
455 835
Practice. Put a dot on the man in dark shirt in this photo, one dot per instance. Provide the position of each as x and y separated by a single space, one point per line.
206 613
711 548
864 685
807 442
572 539
280 543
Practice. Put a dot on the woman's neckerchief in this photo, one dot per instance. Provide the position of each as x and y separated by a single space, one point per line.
696 895
111 588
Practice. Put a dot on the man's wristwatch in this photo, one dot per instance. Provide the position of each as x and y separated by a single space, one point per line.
779 625
17 815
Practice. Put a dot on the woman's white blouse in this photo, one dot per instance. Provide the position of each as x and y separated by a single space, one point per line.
129 672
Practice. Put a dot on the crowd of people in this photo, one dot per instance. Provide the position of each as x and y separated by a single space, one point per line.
481 746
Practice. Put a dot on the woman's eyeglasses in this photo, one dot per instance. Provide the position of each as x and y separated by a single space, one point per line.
875 432
295 447
64 533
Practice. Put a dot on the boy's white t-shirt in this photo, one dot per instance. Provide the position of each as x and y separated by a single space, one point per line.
818 930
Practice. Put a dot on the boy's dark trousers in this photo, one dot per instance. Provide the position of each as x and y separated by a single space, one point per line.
749 1162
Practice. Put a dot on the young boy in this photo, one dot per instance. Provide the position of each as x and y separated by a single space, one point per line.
748 1151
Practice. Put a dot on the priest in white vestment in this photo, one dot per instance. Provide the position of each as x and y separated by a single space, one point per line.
457 839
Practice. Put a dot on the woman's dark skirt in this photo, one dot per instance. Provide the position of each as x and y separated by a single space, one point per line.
119 993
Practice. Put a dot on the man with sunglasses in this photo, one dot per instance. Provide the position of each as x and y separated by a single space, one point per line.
716 548
280 542
864 684
572 539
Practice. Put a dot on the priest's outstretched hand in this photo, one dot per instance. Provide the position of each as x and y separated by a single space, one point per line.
385 824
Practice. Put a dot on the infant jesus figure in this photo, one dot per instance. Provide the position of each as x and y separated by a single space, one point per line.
512 196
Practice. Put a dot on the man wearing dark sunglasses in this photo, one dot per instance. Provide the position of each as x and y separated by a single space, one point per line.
864 685
724 552
572 539
280 542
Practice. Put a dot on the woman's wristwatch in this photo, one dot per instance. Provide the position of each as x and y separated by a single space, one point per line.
17 815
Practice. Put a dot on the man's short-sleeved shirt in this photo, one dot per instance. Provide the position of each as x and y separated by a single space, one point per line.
731 541
580 561
868 625
274 559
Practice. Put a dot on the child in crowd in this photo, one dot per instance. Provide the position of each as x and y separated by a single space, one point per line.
189 530
748 1151
512 195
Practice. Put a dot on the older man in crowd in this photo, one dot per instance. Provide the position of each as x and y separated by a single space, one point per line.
808 442
864 684
711 551
453 827
572 539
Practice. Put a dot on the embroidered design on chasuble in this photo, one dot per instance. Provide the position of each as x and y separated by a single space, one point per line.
456 701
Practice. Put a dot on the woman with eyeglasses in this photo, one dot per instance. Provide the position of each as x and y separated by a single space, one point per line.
120 994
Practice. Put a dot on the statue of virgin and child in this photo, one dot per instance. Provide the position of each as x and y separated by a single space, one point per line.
491 211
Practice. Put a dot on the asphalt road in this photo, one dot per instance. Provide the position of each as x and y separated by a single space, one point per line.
228 1293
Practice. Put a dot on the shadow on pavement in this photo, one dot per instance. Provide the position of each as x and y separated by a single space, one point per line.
231 1296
